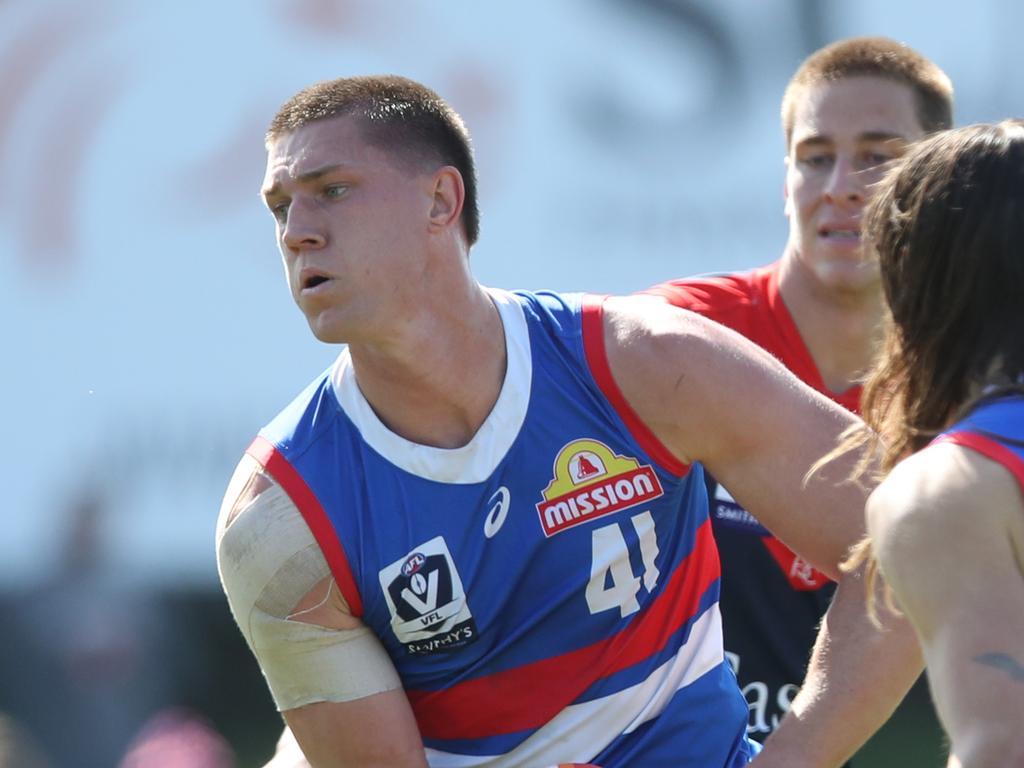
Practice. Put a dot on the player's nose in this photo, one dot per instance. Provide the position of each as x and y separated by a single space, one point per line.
844 184
304 228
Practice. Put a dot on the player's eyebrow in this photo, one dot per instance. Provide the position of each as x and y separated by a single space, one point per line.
814 140
880 136
818 139
275 189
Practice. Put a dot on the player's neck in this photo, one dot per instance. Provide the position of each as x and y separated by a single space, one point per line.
436 379
840 328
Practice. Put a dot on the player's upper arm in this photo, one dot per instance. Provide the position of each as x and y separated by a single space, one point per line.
315 655
948 531
713 396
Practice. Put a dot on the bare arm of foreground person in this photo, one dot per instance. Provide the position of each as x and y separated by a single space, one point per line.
758 429
948 527
710 395
856 677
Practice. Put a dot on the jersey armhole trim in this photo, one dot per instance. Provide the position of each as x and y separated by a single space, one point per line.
271 459
593 346
989 448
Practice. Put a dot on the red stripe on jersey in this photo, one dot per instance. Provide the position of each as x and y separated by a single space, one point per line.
986 446
593 346
313 513
529 696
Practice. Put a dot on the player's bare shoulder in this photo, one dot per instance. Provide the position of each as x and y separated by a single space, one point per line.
934 489
646 331
628 318
943 496
684 373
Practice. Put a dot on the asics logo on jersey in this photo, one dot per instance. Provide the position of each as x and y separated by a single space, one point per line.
591 481
498 512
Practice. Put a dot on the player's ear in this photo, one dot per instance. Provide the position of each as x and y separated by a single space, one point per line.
448 197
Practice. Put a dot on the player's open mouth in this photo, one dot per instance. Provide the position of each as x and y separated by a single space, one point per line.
309 280
841 235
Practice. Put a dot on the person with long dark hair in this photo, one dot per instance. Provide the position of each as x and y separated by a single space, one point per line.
946 401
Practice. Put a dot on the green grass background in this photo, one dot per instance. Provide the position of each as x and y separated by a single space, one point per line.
912 738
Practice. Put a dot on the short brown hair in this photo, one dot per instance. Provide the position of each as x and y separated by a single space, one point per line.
875 57
398 115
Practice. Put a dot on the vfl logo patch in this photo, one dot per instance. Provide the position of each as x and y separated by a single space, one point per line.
428 606
590 481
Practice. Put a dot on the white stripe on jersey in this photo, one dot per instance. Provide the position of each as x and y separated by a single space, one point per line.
579 732
477 460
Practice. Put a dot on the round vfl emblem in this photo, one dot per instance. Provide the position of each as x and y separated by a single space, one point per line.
418 584
413 564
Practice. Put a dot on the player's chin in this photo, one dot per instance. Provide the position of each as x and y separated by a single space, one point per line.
326 329
853 274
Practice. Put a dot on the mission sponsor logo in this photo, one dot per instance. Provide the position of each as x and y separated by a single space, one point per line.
429 612
591 481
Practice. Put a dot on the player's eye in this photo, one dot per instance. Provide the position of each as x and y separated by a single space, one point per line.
280 211
871 159
334 191
817 161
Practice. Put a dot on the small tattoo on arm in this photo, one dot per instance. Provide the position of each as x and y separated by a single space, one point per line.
1003 661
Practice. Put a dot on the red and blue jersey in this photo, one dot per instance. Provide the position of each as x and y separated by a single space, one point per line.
995 429
549 592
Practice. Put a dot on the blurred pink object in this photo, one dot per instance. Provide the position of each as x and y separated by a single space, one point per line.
178 738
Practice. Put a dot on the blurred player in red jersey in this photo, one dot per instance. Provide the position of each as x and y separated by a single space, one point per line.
850 108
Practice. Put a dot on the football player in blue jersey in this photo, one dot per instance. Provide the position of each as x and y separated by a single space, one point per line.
481 537
947 400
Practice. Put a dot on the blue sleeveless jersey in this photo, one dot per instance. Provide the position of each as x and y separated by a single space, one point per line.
996 430
549 592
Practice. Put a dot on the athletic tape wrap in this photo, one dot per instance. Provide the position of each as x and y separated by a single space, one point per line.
268 561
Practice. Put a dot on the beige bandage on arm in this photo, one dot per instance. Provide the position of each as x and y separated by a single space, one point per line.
268 561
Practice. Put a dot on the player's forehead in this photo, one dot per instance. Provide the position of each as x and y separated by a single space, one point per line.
860 108
330 142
